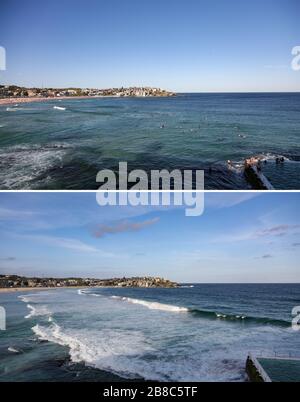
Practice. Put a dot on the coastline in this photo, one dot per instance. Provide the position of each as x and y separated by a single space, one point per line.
12 290
12 101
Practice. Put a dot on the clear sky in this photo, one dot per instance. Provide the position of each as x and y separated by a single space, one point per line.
185 46
241 237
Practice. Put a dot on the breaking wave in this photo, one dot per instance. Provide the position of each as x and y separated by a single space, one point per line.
153 305
204 313
240 317
85 292
13 350
215 315
118 351
37 311
127 353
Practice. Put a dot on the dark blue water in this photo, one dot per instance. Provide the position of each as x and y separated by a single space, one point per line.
198 333
45 148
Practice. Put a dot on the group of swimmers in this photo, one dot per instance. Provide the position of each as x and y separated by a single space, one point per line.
279 160
253 161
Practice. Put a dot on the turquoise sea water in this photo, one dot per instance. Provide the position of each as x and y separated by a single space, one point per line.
193 333
46 148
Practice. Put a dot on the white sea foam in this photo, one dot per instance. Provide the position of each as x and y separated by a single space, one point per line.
25 163
113 350
153 305
125 353
24 299
130 342
59 108
80 292
28 298
122 338
221 315
78 350
87 293
15 108
37 311
13 350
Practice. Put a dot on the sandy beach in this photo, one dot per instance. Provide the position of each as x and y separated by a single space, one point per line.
11 290
14 101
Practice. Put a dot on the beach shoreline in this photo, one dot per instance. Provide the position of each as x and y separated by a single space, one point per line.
12 290
14 101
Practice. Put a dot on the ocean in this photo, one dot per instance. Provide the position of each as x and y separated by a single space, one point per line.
42 147
191 333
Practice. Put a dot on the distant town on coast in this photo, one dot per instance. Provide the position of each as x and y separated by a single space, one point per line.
14 91
15 281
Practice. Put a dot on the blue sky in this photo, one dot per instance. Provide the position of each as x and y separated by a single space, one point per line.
185 46
241 237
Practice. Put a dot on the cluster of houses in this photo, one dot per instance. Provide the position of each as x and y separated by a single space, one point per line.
15 281
13 91
144 282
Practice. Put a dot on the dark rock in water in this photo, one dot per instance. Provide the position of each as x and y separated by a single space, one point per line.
83 373
257 180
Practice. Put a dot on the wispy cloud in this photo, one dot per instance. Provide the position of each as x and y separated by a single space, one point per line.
8 259
64 242
279 230
122 227
69 243
267 232
266 256
296 244
15 214
229 200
